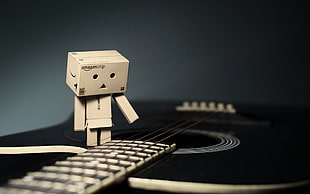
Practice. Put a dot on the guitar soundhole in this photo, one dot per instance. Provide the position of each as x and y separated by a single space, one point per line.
194 141
189 139
186 139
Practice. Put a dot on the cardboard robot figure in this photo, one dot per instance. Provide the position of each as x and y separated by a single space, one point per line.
95 77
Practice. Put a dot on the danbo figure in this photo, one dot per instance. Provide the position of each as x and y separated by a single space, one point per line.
95 77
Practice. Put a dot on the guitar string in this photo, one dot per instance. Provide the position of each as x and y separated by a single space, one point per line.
173 134
135 152
184 128
178 123
149 130
165 138
166 126
198 114
173 128
152 128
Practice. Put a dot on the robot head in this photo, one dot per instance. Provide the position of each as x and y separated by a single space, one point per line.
97 72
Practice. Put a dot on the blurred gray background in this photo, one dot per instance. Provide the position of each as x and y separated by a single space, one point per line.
253 52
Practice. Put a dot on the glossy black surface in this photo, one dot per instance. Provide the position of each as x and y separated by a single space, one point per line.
273 149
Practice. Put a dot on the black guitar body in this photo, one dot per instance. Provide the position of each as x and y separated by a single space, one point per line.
260 149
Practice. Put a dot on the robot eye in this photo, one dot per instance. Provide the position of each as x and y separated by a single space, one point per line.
73 75
112 75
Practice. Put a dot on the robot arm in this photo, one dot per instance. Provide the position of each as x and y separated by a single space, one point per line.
126 108
79 113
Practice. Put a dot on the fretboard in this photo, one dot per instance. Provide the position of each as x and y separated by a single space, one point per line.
95 169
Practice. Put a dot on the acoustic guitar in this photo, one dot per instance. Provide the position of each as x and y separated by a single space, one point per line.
190 147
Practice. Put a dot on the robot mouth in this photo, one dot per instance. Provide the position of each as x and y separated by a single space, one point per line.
103 86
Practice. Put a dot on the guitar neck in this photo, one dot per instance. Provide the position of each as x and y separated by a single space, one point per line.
95 169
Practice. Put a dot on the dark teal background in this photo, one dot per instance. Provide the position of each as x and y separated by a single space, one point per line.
232 51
